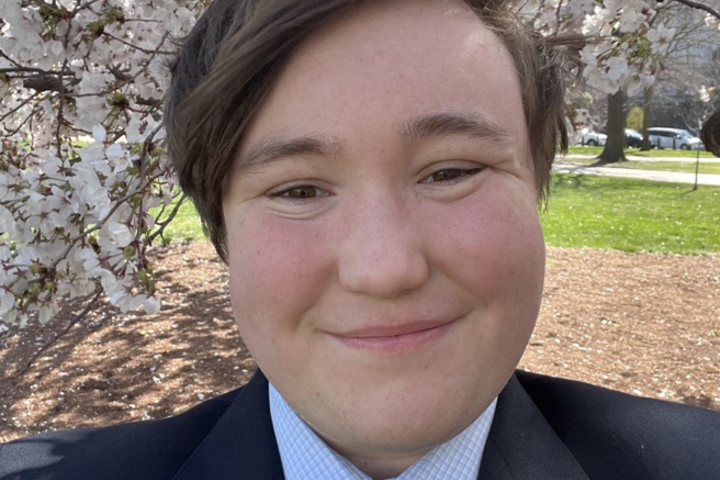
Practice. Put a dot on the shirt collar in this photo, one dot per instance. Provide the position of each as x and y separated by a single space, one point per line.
304 455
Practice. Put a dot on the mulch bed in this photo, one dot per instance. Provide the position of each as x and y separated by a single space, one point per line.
645 324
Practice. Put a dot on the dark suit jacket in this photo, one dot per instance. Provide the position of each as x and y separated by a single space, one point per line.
544 428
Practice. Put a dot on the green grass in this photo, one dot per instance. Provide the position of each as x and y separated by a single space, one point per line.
579 150
668 153
632 215
598 212
670 166
185 226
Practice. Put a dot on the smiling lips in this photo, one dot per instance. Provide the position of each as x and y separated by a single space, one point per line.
396 339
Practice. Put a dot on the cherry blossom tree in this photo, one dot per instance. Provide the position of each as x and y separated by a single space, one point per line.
85 187
631 41
81 159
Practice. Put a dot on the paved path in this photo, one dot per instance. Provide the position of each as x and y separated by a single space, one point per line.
656 175
636 158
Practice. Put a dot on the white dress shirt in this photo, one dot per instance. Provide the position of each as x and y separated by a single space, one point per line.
305 456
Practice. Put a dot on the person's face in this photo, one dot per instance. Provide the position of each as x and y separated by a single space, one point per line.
386 258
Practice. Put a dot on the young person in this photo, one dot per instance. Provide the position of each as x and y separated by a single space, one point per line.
370 172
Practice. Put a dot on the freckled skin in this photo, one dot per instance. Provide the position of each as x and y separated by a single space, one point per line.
382 245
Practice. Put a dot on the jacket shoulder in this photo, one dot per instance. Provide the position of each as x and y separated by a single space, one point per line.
153 449
626 436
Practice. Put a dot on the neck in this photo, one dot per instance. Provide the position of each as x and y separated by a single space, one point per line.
383 465
382 468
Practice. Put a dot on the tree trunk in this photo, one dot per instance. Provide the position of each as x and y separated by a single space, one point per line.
710 133
645 145
614 148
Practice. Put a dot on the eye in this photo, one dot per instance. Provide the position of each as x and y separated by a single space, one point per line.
451 174
299 192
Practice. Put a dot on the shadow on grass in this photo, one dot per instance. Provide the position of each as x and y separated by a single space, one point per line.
591 184
693 189
599 162
598 183
566 181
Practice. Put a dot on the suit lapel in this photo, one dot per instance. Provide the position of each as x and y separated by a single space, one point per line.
242 443
522 445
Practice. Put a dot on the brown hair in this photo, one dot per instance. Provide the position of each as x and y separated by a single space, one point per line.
231 58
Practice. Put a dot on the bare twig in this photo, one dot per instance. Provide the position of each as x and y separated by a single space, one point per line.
82 6
22 104
20 125
538 12
557 16
160 231
137 47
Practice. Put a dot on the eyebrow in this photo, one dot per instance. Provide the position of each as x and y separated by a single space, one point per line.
277 147
428 126
442 125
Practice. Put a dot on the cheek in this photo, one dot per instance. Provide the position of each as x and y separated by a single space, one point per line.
498 260
498 252
275 269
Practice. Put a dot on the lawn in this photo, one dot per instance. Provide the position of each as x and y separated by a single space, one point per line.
670 166
185 226
599 212
580 150
632 215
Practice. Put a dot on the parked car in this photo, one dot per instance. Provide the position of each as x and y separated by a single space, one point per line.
593 139
633 138
675 138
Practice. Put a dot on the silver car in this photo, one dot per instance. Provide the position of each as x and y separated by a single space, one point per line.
675 138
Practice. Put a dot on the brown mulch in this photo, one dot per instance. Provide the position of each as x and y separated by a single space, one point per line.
642 323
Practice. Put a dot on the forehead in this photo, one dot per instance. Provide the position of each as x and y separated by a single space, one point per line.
384 62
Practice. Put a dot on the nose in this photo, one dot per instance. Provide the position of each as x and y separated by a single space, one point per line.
381 252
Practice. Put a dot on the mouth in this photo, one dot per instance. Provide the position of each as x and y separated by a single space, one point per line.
396 339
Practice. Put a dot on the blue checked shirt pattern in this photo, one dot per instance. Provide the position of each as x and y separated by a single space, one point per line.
306 457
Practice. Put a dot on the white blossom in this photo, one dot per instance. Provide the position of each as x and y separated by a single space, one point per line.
660 37
705 93
712 21
120 234
74 205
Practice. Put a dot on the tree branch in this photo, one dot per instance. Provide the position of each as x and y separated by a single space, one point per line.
162 225
139 48
60 115
18 107
710 134
557 16
28 118
700 6
148 102
44 82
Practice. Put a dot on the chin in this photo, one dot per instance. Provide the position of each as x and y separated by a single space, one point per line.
406 419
